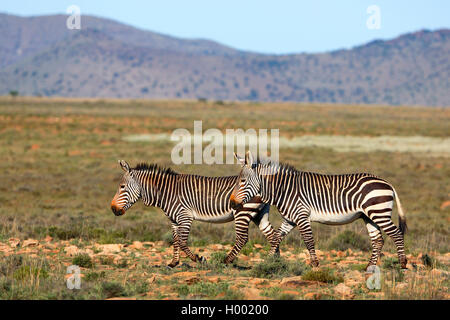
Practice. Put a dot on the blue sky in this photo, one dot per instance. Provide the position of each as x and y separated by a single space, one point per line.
276 26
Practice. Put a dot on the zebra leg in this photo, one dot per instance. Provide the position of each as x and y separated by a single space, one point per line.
183 234
304 226
386 224
280 233
241 221
376 238
176 247
263 223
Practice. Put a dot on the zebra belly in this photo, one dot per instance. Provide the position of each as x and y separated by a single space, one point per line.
223 218
334 218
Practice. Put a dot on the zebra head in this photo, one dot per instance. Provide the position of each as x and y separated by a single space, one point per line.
248 182
128 193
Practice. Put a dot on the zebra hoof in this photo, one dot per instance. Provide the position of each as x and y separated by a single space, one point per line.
200 259
314 263
172 265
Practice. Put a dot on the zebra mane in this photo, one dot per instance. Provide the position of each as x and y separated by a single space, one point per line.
143 166
279 165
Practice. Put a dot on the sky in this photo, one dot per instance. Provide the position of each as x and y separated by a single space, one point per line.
275 26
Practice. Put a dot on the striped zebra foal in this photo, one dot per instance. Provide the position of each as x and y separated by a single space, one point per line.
185 198
302 197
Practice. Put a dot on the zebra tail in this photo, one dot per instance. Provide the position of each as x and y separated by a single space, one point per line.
401 215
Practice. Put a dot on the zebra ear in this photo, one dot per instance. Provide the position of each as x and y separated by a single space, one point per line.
241 160
249 159
125 166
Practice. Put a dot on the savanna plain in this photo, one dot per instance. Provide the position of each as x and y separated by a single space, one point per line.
59 172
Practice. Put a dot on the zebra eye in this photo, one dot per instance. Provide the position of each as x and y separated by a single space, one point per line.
122 187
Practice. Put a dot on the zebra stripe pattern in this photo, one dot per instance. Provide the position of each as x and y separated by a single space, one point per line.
185 198
302 197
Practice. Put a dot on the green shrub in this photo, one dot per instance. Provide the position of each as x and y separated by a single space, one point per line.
211 290
323 275
27 272
10 263
349 240
82 260
216 261
93 276
274 266
13 93
390 263
430 262
112 289
277 294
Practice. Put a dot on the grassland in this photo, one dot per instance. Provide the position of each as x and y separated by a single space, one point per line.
59 172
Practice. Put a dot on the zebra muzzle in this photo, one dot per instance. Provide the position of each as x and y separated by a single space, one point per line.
234 205
117 211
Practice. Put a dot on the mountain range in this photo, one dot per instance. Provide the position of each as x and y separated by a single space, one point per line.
39 56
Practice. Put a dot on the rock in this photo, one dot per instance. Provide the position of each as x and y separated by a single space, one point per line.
48 239
121 298
303 255
152 279
14 242
216 247
295 282
30 243
72 250
257 246
312 296
401 286
378 295
291 292
192 280
251 293
137 245
214 279
343 290
445 204
110 248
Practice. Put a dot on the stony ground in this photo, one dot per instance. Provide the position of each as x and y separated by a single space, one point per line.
138 271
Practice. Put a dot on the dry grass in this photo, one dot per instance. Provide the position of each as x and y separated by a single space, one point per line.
59 159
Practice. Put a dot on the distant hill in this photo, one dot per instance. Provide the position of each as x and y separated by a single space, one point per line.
40 56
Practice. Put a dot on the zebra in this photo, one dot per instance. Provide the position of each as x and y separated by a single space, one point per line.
302 197
185 198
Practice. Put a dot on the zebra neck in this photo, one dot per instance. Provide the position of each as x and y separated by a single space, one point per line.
274 186
158 189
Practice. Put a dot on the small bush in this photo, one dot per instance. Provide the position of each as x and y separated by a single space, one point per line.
216 261
27 272
274 266
112 289
391 263
393 266
107 261
93 276
122 263
323 275
349 239
82 260
429 262
247 249
13 93
277 294
10 263
211 290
